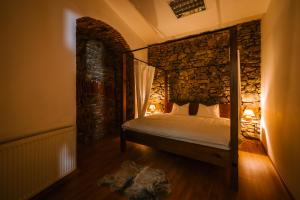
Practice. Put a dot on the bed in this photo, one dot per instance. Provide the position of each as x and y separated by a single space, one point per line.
211 132
217 145
201 138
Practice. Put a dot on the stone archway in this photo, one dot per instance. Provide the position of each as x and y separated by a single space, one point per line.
99 49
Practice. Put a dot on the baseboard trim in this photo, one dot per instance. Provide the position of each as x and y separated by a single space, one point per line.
275 168
281 179
43 193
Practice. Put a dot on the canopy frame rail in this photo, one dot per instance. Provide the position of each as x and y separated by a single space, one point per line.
234 98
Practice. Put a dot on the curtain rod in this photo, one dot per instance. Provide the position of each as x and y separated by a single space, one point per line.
139 49
168 70
141 60
217 65
191 36
179 39
148 63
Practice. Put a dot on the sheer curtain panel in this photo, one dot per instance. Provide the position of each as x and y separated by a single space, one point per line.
143 76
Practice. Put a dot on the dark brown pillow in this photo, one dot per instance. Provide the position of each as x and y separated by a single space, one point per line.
224 110
168 107
193 109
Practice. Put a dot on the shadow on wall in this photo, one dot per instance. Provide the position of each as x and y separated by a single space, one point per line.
147 9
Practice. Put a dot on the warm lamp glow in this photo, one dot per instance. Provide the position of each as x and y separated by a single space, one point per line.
152 107
248 114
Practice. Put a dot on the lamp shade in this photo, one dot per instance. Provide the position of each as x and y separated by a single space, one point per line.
248 113
152 107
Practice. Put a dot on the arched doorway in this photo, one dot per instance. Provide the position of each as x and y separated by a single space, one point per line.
99 49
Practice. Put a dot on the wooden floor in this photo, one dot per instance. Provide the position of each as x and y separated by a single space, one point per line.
190 179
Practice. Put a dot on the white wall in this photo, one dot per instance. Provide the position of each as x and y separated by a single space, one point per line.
281 89
37 54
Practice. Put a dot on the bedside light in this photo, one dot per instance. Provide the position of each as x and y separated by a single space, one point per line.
152 108
248 114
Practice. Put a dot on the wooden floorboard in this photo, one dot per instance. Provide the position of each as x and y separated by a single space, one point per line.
190 179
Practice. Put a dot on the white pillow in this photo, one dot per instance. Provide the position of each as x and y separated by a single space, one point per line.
180 110
208 111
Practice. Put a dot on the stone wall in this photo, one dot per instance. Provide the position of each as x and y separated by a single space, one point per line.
99 79
198 68
249 44
194 68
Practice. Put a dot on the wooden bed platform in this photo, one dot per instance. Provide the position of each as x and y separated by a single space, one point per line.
211 155
216 156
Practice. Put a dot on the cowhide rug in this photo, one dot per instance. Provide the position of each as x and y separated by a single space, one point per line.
138 182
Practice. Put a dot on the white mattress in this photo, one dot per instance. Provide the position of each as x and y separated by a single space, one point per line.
212 132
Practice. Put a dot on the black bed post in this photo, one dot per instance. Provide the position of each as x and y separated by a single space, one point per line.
234 108
122 133
166 91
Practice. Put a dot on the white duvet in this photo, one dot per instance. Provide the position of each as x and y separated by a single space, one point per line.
212 132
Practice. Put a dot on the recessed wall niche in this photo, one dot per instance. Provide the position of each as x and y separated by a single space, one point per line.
99 49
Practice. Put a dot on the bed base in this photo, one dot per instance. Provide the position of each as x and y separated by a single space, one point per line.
208 154
219 157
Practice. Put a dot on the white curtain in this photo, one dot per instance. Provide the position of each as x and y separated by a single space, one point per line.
143 77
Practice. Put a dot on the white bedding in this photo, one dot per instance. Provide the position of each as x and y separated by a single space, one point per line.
212 132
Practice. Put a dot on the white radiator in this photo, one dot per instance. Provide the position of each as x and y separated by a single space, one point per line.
29 165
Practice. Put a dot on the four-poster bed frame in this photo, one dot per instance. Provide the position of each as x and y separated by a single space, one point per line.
216 156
